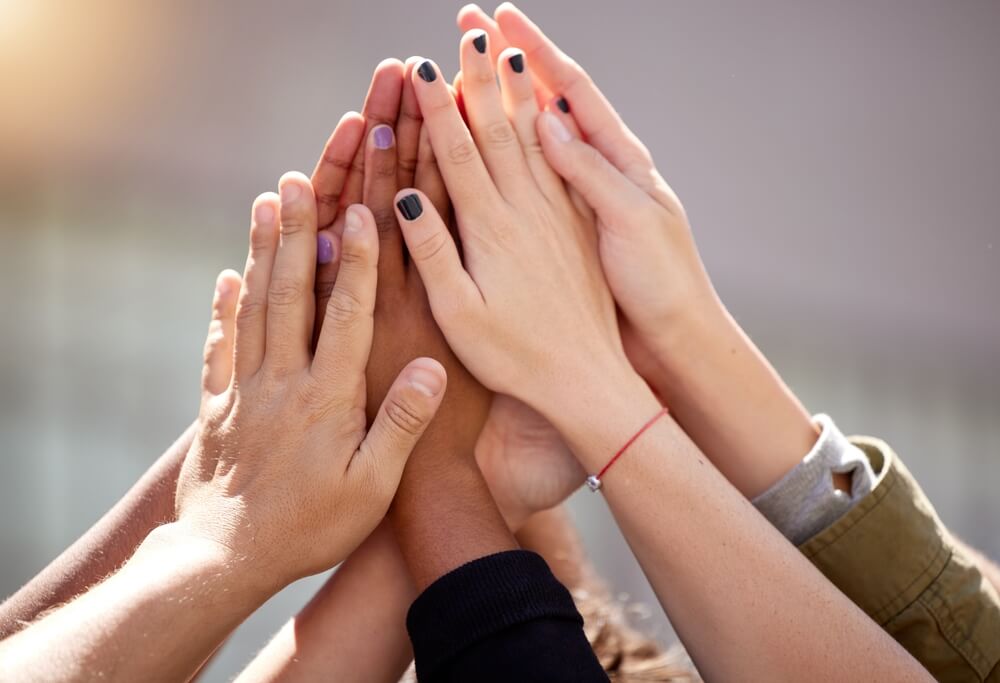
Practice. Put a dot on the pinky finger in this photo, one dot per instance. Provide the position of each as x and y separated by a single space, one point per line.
218 359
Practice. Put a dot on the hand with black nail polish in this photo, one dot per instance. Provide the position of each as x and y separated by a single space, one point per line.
529 313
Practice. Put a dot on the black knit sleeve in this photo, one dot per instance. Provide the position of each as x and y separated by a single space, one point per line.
503 617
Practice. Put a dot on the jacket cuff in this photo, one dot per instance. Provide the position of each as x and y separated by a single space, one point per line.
479 599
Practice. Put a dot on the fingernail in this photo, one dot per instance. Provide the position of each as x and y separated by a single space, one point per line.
290 191
517 63
383 137
479 42
264 213
426 382
221 287
324 248
563 105
410 207
353 222
556 127
427 72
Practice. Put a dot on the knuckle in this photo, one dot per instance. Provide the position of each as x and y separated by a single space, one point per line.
500 134
407 165
285 291
404 417
293 223
383 169
357 254
430 247
344 307
462 152
385 220
250 310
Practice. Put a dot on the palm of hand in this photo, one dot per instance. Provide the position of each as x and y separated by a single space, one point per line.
524 459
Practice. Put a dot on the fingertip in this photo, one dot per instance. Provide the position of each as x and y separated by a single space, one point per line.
427 376
292 185
550 127
227 284
265 211
390 64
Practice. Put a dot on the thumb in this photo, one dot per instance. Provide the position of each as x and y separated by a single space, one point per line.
409 406
218 357
587 171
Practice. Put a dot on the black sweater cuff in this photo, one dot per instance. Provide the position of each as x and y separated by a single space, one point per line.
480 599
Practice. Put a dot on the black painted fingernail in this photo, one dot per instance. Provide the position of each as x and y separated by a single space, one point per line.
410 207
480 44
563 105
517 63
427 72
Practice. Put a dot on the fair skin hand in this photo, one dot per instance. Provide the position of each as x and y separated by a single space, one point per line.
530 314
719 387
257 507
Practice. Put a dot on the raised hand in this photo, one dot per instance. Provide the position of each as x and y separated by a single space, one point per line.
677 332
283 475
529 314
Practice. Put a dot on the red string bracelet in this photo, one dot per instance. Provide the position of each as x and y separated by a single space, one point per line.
594 480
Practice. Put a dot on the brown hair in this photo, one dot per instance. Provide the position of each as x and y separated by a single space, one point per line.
627 655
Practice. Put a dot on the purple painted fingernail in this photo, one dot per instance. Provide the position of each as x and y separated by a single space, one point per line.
383 137
324 248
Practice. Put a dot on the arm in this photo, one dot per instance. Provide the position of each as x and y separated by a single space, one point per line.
105 546
531 281
249 525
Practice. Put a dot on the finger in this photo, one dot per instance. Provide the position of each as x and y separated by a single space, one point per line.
332 169
449 287
601 185
251 312
472 17
379 195
218 367
456 92
522 109
428 177
409 406
290 301
598 120
488 122
560 109
469 184
343 346
381 107
408 126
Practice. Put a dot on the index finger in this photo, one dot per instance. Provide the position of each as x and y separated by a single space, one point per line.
465 175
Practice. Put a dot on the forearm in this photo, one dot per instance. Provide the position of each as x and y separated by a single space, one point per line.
444 517
721 572
551 534
731 402
157 619
358 616
105 546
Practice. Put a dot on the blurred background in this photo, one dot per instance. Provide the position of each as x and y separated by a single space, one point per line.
840 163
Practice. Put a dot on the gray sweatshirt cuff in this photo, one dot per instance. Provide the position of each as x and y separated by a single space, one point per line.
804 501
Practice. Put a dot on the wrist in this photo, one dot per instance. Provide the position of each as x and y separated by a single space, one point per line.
210 561
602 412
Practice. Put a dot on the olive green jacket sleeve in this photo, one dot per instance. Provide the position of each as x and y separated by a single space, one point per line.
894 558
